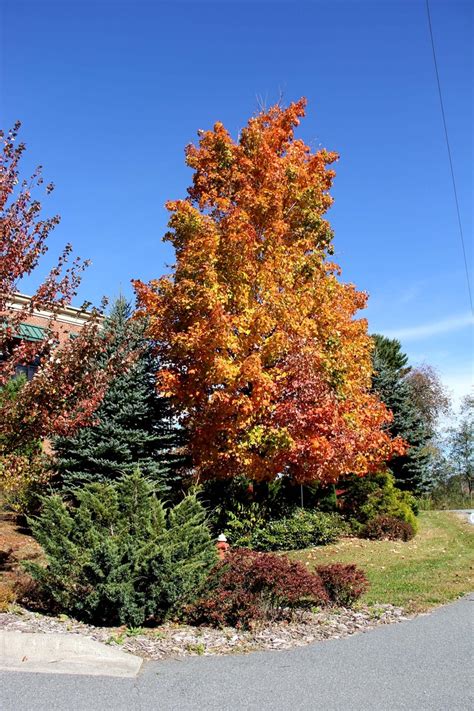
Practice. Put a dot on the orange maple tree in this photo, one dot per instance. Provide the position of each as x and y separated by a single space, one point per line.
259 344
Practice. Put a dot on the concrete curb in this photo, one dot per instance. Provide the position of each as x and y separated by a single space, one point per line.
64 654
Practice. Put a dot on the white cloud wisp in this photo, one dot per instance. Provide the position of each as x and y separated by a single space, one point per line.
414 333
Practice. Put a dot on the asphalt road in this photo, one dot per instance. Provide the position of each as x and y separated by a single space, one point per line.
423 664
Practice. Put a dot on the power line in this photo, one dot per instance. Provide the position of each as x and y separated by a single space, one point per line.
461 233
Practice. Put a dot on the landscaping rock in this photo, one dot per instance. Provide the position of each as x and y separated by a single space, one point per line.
178 641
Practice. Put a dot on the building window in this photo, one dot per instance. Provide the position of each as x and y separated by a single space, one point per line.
28 370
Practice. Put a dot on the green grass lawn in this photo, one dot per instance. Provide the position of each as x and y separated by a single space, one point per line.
434 568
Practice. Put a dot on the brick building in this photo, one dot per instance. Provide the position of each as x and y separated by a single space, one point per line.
68 321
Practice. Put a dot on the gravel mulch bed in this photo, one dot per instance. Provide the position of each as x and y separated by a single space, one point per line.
171 641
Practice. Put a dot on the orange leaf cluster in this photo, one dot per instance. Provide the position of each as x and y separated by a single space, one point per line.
258 338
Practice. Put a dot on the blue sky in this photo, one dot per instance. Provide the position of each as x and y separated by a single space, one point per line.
110 92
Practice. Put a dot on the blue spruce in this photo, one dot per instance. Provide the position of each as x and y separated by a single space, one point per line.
132 427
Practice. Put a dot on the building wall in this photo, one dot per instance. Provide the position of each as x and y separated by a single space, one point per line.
68 321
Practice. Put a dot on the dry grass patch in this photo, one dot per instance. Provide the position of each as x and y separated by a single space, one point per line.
16 545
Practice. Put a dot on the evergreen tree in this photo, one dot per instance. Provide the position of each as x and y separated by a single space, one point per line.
393 387
119 556
388 354
132 427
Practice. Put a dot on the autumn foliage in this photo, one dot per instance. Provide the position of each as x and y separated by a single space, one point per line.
249 587
69 384
259 340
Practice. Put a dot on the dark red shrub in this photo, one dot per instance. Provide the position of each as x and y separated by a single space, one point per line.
222 608
387 528
286 582
249 586
344 583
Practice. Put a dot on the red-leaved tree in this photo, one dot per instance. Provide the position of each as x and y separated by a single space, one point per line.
69 385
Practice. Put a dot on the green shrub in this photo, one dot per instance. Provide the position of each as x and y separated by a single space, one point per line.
236 507
374 495
243 522
301 530
448 494
387 528
119 557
